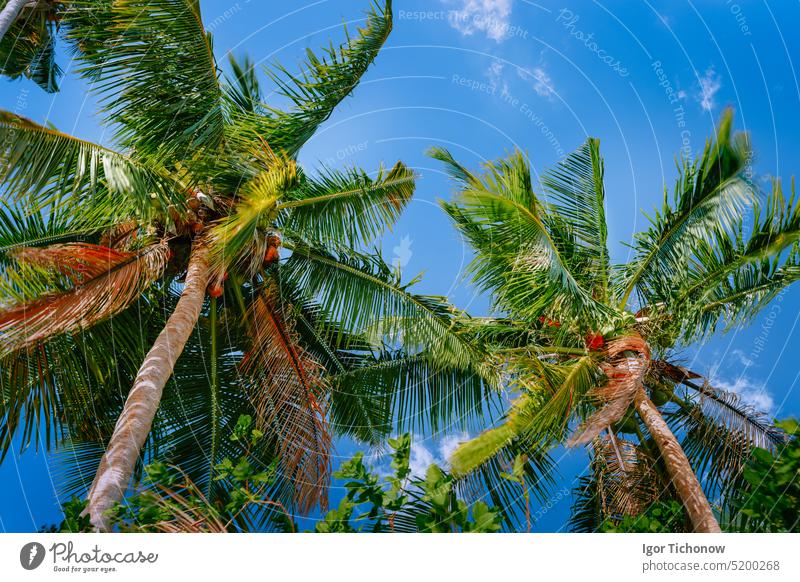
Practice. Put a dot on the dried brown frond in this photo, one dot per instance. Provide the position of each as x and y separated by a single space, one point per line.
628 358
103 281
626 477
291 398
120 236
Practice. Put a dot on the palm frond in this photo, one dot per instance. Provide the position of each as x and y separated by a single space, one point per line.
291 398
103 282
517 258
365 295
53 167
710 193
347 207
323 83
575 188
244 88
240 239
152 64
395 391
68 386
538 418
28 47
22 225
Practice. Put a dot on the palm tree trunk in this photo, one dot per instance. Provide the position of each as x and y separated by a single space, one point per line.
678 467
9 14
116 467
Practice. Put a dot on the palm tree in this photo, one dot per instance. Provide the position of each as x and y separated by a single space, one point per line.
199 253
580 338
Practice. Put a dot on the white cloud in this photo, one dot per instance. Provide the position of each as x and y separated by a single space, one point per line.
496 78
709 85
751 392
448 445
490 17
495 72
423 455
743 358
421 459
540 81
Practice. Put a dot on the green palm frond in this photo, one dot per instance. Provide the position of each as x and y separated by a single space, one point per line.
24 225
394 391
152 64
240 239
50 166
726 265
323 83
749 289
517 258
539 417
489 482
347 207
365 295
575 189
244 88
710 194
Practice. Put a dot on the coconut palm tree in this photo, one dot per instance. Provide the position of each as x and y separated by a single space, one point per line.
197 253
580 338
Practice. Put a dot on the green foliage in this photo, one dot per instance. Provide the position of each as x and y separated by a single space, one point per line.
168 500
541 251
661 517
769 496
206 159
28 47
401 502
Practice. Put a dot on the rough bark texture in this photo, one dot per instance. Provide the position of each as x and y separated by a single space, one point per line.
116 467
680 471
9 14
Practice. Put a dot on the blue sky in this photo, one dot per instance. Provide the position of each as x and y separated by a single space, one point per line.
482 77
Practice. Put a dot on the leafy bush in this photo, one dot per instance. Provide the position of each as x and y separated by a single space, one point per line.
661 517
170 502
769 500
403 503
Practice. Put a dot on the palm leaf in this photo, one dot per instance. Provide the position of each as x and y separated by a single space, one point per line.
325 81
710 193
291 398
28 47
575 187
54 167
347 207
517 258
104 282
365 295
152 64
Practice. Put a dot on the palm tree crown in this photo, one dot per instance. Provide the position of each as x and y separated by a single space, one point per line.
580 338
199 253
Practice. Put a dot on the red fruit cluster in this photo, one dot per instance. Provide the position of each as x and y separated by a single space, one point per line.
548 322
273 254
594 341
